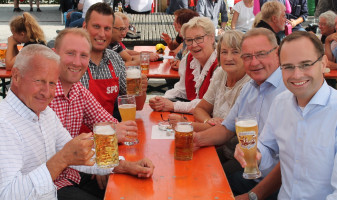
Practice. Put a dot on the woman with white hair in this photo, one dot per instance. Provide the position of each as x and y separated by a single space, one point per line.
327 24
196 68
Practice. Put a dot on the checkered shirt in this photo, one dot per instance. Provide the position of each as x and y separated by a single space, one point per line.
103 72
79 107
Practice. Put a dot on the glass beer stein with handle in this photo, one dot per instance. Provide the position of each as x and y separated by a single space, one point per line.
133 80
183 141
106 145
247 133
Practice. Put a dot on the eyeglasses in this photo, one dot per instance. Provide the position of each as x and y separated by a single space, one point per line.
197 40
302 66
121 29
259 55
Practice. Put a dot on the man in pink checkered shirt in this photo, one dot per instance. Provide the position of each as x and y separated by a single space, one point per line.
75 105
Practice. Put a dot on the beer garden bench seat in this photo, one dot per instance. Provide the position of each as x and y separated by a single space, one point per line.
151 26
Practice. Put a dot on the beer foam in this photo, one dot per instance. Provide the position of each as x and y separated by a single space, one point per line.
133 73
246 123
127 106
184 128
104 130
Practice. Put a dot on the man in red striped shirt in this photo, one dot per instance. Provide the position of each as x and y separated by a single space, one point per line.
75 105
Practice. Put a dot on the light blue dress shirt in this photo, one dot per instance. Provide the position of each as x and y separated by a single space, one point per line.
255 100
27 142
306 144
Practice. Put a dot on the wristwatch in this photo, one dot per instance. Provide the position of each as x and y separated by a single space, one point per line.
252 196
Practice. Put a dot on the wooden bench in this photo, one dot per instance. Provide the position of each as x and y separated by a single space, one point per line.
151 26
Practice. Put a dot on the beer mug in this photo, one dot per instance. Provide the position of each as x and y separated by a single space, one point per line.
144 60
247 133
3 50
127 109
106 145
183 141
133 80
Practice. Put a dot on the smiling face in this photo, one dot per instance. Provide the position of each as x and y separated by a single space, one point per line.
36 87
302 83
117 34
99 28
230 60
74 52
204 49
259 69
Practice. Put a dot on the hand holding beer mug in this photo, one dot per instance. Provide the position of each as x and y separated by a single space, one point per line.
133 80
183 141
247 133
106 145
144 60
127 109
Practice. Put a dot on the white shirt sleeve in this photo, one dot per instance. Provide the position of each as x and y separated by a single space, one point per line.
95 169
14 184
333 195
179 89
186 107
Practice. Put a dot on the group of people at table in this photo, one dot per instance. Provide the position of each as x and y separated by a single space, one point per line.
44 154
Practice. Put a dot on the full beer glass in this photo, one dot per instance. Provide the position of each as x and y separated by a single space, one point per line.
106 145
3 50
183 141
247 133
144 60
127 109
133 80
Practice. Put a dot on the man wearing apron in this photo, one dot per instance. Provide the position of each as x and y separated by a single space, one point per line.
106 76
75 105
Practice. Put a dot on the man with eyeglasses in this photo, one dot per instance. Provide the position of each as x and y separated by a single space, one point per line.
119 31
301 126
259 54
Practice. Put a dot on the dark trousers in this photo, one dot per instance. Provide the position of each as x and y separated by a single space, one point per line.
239 185
88 189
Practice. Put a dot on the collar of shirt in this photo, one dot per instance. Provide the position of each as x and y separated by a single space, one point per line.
73 93
274 79
200 76
104 60
20 107
321 98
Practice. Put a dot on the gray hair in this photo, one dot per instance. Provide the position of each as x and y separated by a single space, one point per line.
330 18
28 53
203 22
230 38
122 15
260 31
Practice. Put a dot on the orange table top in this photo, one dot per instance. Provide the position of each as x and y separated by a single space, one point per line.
158 69
200 178
5 74
332 74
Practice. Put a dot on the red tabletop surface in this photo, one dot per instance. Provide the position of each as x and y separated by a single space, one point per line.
200 178
5 74
158 69
332 74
